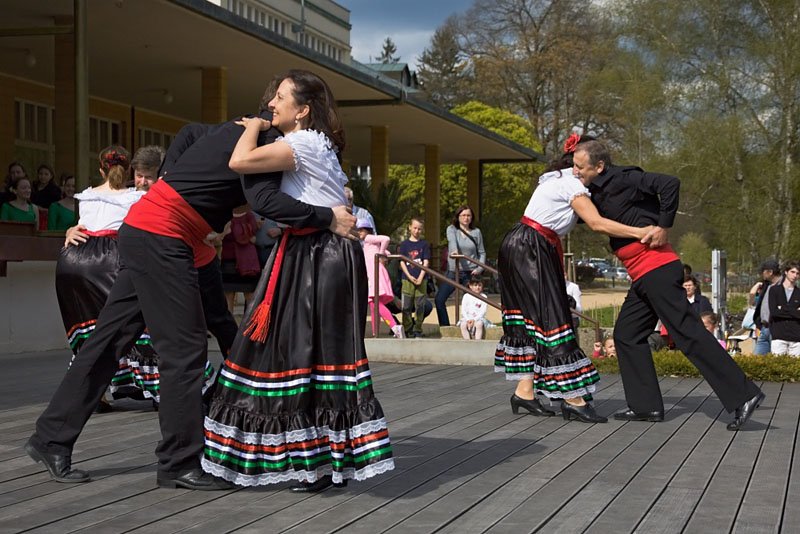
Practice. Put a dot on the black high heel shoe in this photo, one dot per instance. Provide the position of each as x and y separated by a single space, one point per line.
533 406
583 413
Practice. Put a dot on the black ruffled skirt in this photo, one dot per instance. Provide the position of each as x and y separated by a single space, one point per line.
538 340
300 405
84 277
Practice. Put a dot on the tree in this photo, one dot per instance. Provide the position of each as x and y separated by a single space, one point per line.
443 71
532 57
388 52
694 250
733 70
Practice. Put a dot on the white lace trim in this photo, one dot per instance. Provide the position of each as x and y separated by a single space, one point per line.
294 436
349 473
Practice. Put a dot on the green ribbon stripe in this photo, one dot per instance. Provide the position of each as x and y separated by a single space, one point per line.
308 462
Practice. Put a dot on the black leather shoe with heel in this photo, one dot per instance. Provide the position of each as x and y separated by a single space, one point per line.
533 406
583 413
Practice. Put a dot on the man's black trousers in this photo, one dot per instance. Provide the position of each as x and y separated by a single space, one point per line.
157 285
660 294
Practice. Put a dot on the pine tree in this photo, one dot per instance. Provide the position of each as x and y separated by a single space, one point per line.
443 71
388 52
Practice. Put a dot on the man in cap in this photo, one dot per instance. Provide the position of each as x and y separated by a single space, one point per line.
770 275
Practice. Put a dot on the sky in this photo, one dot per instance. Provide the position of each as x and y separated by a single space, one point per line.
410 24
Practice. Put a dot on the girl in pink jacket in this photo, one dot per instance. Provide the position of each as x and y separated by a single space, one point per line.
372 245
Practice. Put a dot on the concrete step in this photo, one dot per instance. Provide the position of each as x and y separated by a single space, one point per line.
442 351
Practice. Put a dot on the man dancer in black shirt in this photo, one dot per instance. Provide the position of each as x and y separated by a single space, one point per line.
634 197
161 244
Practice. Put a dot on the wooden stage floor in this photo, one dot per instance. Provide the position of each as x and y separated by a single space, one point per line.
465 463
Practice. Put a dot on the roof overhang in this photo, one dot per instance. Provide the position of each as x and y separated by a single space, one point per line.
138 49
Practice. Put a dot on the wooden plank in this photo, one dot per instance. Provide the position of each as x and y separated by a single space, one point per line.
357 511
721 499
562 486
620 496
764 499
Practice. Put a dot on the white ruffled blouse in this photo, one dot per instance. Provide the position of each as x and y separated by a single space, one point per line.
550 204
317 178
105 210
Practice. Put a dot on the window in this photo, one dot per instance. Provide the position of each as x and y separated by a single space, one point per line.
148 136
33 140
102 133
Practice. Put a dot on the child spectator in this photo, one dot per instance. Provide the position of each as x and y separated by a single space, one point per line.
710 321
372 245
473 311
606 349
413 290
61 215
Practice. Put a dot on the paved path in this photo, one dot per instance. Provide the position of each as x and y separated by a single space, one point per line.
464 464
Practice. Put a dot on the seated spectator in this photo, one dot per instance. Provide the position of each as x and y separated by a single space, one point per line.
697 302
15 172
240 267
784 312
710 321
45 191
20 209
473 311
606 349
61 214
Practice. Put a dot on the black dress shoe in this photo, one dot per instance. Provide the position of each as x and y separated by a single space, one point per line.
744 411
59 465
194 479
583 413
321 484
629 415
533 406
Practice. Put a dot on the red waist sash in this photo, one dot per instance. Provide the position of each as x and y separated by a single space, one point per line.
639 259
164 212
258 327
102 233
549 235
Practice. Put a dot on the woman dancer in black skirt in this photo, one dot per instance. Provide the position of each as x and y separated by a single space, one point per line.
294 400
539 348
86 270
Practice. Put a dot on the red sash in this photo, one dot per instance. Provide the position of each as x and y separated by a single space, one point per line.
258 327
549 235
639 259
102 233
164 212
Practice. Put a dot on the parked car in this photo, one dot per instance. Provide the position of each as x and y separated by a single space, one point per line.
618 273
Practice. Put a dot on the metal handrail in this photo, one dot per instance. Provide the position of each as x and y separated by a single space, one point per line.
456 256
427 270
596 324
457 285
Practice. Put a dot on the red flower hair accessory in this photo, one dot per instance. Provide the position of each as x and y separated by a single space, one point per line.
112 157
571 142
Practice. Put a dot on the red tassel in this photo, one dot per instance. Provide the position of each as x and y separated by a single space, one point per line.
258 327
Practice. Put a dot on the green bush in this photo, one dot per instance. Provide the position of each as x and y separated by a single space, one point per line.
768 368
